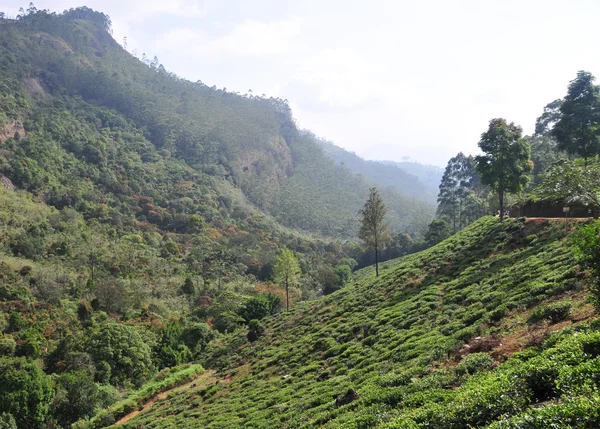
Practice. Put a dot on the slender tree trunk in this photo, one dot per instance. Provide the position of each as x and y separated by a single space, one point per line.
454 217
501 195
376 261
287 295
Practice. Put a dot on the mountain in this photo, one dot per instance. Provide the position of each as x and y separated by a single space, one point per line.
99 128
429 175
489 328
143 216
416 180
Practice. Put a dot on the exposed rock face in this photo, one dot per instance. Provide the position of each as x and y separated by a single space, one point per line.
6 183
9 129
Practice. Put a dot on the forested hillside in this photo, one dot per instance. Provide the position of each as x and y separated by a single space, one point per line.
99 126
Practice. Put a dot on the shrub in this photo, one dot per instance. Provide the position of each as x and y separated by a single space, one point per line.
255 331
474 363
78 396
196 336
256 307
7 421
120 354
26 391
554 313
8 346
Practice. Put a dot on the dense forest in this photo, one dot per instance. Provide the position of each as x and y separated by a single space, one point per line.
160 235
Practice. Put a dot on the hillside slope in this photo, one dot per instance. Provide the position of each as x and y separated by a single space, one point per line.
430 343
387 173
84 123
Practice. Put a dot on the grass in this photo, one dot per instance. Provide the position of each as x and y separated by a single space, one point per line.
412 345
164 380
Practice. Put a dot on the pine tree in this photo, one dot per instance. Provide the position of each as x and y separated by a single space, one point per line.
373 229
286 272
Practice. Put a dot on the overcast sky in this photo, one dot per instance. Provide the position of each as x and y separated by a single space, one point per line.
385 79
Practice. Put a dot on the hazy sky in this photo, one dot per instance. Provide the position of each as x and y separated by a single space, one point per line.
385 79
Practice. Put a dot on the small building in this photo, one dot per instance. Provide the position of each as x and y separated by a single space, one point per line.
552 209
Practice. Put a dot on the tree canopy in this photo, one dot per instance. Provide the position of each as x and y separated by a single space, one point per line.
505 163
577 122
373 227
286 272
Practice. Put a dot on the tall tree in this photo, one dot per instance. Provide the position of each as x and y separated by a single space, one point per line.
460 177
286 272
578 129
373 228
505 163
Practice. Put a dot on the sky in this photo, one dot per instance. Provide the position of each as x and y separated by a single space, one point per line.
385 79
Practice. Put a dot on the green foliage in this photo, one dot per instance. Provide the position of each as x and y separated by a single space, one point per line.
505 164
392 340
460 193
577 127
7 421
286 272
571 182
555 313
26 392
255 330
164 380
258 307
78 396
373 228
587 241
438 231
120 354
196 336
474 363
8 345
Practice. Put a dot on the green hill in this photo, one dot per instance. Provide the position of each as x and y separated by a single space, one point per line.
83 123
483 330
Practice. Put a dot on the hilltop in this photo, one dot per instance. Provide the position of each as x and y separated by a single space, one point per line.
456 336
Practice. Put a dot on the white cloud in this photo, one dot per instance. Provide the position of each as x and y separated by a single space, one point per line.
248 39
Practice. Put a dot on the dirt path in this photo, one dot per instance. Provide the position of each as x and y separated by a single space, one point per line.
577 219
201 379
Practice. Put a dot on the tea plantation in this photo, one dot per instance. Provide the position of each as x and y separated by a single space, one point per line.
490 328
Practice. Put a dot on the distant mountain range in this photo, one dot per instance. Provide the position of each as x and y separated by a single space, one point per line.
409 178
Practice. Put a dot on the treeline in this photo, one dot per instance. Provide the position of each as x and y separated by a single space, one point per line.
566 139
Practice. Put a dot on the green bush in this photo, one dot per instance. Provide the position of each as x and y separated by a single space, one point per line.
474 363
120 354
554 313
8 345
7 421
26 392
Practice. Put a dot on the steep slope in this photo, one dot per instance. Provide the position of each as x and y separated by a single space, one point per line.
430 343
83 122
385 173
